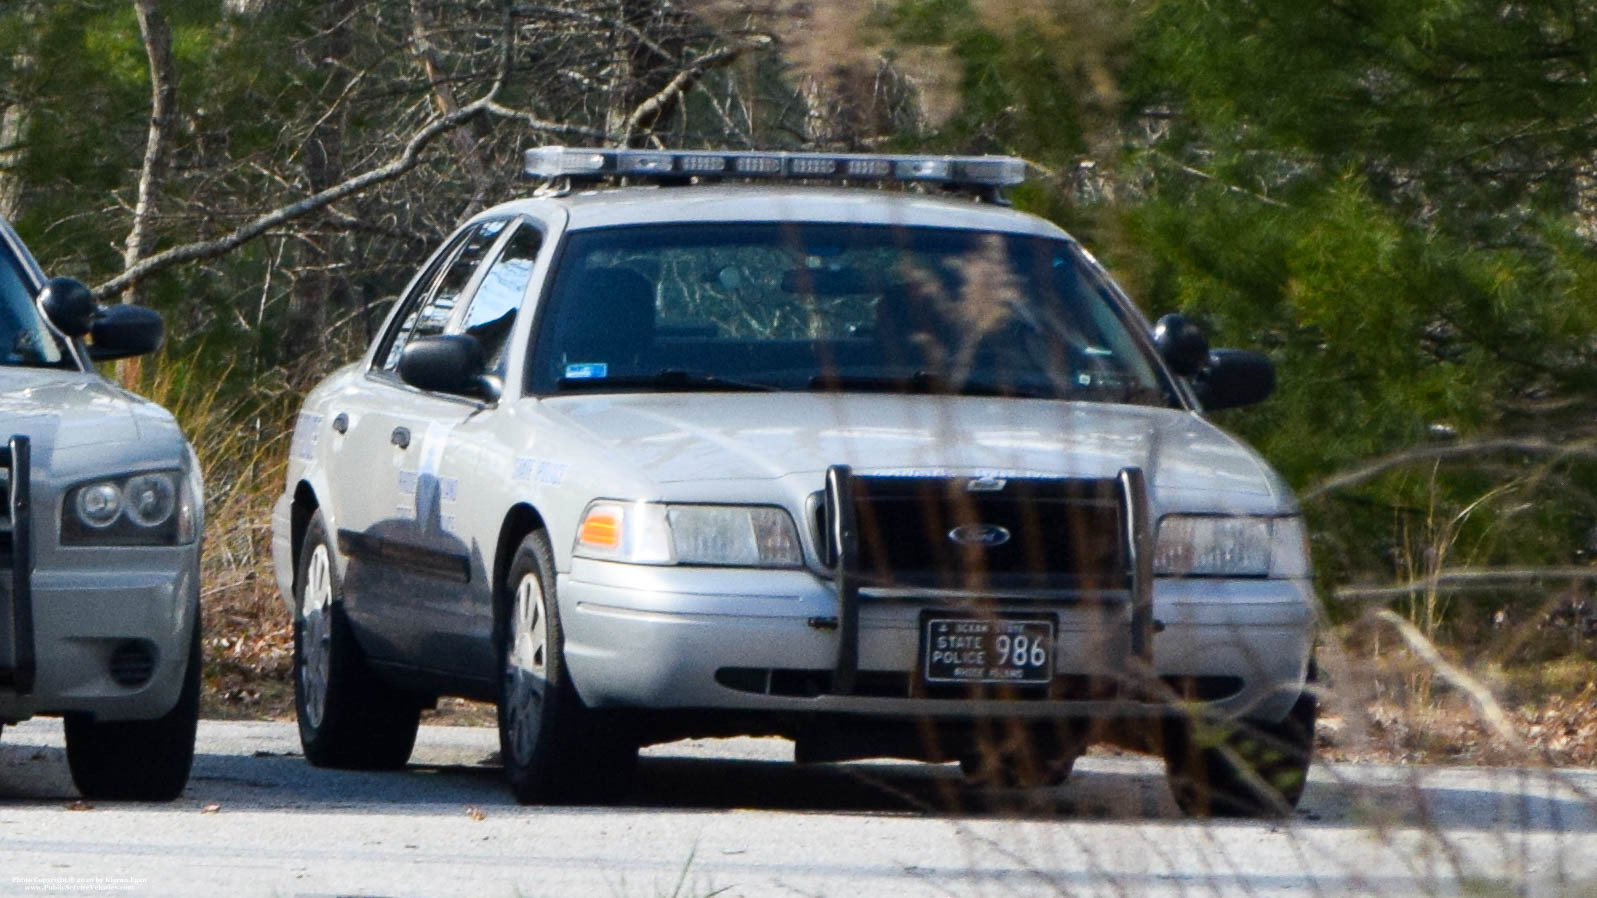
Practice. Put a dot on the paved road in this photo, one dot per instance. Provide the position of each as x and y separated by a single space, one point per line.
734 817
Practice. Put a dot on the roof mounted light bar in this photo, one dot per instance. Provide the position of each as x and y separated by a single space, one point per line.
577 164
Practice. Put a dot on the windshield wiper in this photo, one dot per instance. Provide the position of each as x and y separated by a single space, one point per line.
672 379
924 382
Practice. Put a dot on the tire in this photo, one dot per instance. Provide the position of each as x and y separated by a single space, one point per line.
348 718
139 760
554 748
1241 769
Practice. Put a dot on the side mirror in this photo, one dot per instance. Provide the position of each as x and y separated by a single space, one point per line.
452 363
69 305
1235 377
1182 344
122 331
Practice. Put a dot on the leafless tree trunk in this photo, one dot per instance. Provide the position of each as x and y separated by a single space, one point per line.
463 139
163 101
320 286
13 121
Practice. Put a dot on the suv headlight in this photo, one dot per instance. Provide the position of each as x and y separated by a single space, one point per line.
716 535
151 508
1227 546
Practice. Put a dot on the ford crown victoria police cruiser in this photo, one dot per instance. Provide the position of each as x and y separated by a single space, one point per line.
100 519
889 472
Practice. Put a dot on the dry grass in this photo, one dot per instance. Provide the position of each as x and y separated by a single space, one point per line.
241 439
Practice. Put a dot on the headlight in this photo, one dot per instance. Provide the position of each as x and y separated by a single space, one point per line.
1223 546
99 505
157 508
718 535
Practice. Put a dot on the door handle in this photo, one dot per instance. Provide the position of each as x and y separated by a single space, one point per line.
341 423
400 437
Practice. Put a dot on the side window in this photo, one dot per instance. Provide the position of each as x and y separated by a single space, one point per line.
23 337
493 308
428 309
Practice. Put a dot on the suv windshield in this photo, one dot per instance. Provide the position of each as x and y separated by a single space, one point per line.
24 340
836 307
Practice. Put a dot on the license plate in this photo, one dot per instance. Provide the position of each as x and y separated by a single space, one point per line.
987 650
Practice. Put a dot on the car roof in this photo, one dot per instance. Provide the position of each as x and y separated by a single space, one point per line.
611 207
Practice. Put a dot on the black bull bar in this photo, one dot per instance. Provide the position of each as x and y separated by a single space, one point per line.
843 509
17 668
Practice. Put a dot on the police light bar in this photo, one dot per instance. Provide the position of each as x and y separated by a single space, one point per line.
597 164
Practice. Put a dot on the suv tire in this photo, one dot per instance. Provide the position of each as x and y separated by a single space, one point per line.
138 760
1255 770
554 748
348 718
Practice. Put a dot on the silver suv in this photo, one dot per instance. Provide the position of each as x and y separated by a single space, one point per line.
101 511
888 472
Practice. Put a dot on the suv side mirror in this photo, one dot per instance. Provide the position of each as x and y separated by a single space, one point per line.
69 305
452 363
118 332
1235 377
115 332
1182 344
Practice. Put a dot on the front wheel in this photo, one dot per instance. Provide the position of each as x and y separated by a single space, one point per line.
1241 769
139 760
348 718
553 747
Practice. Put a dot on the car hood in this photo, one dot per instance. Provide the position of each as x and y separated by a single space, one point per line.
67 409
672 438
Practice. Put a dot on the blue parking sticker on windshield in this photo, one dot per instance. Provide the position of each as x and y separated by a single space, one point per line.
583 370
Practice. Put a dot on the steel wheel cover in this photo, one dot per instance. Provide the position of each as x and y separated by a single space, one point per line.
526 669
316 635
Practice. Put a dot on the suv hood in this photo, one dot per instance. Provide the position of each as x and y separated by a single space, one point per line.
673 438
65 409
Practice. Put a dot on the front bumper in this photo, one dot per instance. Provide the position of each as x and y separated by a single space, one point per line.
667 638
104 631
82 618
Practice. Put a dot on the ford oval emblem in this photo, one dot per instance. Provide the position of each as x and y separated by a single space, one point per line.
986 535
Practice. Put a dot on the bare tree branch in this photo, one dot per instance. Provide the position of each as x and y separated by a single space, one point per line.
537 124
208 249
1464 579
654 108
1582 449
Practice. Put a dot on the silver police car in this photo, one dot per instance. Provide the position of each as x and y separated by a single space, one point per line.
101 509
836 447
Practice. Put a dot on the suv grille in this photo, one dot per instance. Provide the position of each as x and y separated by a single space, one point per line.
975 535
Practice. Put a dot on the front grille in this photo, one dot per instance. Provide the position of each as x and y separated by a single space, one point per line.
1048 534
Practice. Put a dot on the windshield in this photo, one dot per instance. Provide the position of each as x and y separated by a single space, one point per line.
838 308
24 340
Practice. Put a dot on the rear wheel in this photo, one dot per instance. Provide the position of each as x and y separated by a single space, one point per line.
139 760
554 748
347 717
1241 769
